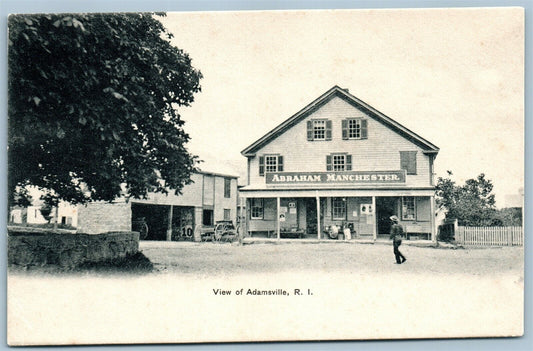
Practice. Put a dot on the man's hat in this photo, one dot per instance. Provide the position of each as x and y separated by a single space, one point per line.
394 218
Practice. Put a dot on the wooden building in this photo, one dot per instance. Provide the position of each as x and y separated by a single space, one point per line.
211 197
339 162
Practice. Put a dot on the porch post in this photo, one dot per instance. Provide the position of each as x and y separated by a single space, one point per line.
318 217
375 214
278 211
242 215
247 216
432 209
169 226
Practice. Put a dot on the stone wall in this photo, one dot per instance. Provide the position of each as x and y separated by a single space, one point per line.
34 248
102 217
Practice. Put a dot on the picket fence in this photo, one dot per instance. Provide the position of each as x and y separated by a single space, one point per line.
490 236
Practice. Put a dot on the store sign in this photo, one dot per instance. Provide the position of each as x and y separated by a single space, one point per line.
356 177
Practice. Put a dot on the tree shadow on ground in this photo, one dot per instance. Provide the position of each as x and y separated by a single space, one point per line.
136 264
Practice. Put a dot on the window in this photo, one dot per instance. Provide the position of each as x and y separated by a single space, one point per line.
270 163
207 218
227 214
227 187
354 128
339 162
408 161
319 129
256 208
408 208
338 208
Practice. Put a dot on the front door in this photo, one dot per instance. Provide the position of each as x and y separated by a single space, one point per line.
310 216
385 208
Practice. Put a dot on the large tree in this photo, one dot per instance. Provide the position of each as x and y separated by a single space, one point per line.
472 204
93 104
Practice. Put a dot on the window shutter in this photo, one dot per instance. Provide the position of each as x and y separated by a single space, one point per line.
404 161
412 162
261 166
364 129
329 167
408 161
328 130
348 162
344 129
280 163
310 130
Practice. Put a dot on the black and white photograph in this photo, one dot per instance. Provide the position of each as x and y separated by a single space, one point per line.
265 176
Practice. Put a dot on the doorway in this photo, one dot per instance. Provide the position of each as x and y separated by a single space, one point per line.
310 216
385 208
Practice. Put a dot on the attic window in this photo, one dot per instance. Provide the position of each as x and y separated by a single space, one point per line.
354 128
319 129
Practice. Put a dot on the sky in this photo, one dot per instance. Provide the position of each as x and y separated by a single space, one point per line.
443 73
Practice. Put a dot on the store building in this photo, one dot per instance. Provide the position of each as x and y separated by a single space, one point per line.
209 198
339 162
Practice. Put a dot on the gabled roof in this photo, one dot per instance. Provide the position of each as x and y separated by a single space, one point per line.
346 96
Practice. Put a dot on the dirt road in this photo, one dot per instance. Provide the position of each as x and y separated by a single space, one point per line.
212 259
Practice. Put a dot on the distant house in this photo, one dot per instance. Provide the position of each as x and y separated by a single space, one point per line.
341 162
67 215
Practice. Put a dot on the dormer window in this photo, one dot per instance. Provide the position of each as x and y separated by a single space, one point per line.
318 129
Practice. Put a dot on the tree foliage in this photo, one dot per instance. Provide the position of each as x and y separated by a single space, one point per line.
472 204
93 104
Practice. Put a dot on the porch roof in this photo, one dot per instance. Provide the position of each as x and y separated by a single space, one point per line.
284 191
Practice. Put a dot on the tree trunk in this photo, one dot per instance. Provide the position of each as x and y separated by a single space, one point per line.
55 217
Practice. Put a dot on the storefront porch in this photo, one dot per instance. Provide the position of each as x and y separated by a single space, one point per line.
338 216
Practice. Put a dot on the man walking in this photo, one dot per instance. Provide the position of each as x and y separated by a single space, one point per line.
396 237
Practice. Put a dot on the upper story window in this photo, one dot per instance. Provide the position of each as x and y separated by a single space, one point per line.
319 129
270 163
408 161
339 162
227 214
354 128
227 187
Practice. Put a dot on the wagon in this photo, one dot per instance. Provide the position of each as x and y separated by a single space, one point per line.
224 231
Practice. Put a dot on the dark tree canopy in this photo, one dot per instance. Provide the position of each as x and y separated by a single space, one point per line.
93 104
472 204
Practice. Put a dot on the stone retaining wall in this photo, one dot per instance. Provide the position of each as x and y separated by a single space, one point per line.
33 248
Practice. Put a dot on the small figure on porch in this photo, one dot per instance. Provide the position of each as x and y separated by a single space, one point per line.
396 237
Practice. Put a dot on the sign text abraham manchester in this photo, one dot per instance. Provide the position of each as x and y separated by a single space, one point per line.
355 177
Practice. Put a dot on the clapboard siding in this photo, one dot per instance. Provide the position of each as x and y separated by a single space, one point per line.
381 151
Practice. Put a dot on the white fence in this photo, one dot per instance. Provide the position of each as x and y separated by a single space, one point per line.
490 236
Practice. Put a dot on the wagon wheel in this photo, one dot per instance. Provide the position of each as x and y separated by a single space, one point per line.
332 234
217 234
